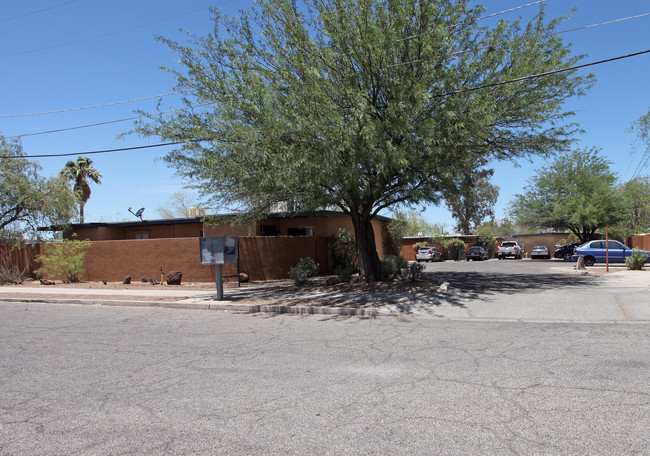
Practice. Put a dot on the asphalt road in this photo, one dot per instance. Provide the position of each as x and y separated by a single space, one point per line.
109 381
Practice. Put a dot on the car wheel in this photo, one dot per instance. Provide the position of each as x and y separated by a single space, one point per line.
567 257
499 257
589 261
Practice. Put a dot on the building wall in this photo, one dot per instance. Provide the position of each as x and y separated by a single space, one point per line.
550 240
262 258
640 242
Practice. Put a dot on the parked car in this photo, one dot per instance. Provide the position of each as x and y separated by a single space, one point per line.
428 254
540 251
476 253
565 252
597 252
509 248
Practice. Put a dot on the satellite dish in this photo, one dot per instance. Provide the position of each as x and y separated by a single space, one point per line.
138 213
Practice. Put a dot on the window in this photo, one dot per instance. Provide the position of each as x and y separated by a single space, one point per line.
141 236
269 230
301 231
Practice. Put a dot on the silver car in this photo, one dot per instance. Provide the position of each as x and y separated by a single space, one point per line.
428 254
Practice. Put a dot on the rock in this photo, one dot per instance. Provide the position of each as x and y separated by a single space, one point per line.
104 282
243 277
46 282
127 280
444 287
174 278
332 281
151 280
581 262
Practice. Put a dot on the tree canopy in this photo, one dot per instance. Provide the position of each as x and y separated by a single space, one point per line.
576 192
363 105
472 200
27 199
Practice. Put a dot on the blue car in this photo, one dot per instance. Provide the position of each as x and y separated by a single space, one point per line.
595 252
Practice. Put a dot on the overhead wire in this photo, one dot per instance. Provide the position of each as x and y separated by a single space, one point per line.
98 124
37 11
446 94
93 152
104 105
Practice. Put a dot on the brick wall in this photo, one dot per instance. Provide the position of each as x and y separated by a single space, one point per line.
262 258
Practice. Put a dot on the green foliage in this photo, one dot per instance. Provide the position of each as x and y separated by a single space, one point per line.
64 259
414 271
344 254
80 172
575 192
304 270
392 266
418 245
487 240
361 105
471 200
454 247
27 199
635 199
636 261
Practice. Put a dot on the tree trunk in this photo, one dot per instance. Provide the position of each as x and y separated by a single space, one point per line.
81 212
364 235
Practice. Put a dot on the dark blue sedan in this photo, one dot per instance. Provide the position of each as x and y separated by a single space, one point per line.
595 252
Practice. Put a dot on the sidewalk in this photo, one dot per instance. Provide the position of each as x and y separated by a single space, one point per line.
621 296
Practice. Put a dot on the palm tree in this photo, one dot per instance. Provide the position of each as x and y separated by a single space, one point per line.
80 173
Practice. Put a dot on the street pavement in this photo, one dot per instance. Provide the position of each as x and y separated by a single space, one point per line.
566 295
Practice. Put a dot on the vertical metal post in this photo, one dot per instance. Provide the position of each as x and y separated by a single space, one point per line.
219 278
606 249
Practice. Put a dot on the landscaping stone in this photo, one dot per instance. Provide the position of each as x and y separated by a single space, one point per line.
332 281
174 278
127 280
46 282
243 277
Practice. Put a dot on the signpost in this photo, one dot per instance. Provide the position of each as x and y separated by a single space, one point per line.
219 251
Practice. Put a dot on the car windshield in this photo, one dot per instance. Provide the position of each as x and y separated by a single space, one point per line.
539 247
474 249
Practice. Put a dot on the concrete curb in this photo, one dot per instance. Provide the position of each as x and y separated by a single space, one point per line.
244 308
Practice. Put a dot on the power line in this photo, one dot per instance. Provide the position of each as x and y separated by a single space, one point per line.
94 106
546 73
478 19
103 35
455 92
98 124
93 151
507 41
37 11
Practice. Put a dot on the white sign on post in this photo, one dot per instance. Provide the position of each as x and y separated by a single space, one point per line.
219 251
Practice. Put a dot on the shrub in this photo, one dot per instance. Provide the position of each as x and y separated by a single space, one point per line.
344 254
454 248
392 266
636 261
486 240
63 259
304 270
417 245
414 271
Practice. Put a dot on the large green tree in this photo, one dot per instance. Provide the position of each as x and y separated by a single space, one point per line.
27 199
472 200
361 104
80 172
576 192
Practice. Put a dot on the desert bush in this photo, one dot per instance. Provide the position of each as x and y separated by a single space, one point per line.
636 261
417 245
414 271
453 246
64 259
344 254
392 266
304 270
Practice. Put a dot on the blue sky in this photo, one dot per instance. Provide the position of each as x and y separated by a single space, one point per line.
59 55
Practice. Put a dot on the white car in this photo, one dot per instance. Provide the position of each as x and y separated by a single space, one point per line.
540 251
428 253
